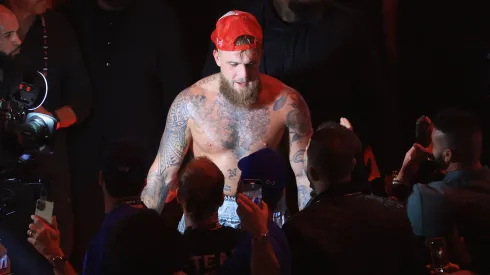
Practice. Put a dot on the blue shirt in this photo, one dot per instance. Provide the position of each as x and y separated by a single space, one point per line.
239 263
458 206
95 251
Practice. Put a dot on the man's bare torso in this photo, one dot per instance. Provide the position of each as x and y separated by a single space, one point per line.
225 133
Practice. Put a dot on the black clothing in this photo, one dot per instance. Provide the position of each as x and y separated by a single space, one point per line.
209 248
137 66
68 85
443 61
351 233
337 56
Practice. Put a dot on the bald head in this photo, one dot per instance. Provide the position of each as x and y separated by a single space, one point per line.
201 188
9 40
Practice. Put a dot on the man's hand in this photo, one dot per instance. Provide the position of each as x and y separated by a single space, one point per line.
412 161
65 114
45 238
4 261
253 218
346 123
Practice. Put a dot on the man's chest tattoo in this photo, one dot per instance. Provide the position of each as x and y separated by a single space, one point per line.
232 173
234 128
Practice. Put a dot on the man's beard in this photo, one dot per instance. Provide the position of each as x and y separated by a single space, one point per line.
245 97
6 58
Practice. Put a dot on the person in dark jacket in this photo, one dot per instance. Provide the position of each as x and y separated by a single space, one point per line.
136 60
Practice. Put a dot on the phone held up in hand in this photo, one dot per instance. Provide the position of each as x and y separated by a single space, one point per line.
252 188
44 209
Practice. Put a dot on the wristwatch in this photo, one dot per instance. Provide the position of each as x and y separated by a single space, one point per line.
58 262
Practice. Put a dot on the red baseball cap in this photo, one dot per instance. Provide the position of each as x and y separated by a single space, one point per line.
233 25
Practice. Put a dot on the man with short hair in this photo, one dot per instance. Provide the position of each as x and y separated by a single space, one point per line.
9 40
341 226
457 207
9 47
201 194
230 115
121 178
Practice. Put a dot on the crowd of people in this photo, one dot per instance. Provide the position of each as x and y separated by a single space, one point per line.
296 96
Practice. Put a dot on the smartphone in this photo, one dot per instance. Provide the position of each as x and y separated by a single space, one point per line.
438 253
44 209
252 188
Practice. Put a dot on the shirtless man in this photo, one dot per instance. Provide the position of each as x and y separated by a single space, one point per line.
230 115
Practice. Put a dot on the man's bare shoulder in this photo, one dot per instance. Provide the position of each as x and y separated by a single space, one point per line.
195 95
284 96
207 84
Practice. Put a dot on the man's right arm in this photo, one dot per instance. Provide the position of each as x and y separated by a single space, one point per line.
162 177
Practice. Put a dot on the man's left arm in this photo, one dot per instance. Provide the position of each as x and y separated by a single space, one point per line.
75 81
300 130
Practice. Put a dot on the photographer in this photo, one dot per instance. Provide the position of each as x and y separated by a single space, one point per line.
457 207
50 47
9 40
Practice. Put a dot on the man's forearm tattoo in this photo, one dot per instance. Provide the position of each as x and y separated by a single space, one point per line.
304 196
155 192
299 156
173 147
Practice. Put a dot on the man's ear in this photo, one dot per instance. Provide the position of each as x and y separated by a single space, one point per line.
217 57
447 156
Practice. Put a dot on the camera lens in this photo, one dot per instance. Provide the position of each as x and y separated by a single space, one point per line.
40 205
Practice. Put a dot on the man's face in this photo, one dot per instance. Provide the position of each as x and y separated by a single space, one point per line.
9 40
240 77
33 6
439 148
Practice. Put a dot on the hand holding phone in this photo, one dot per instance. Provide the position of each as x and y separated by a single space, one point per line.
252 188
44 209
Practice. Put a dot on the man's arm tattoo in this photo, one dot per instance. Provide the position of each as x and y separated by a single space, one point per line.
175 141
280 102
173 146
304 196
154 193
298 119
227 188
299 156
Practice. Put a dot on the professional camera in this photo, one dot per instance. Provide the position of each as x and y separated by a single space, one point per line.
21 127
24 133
